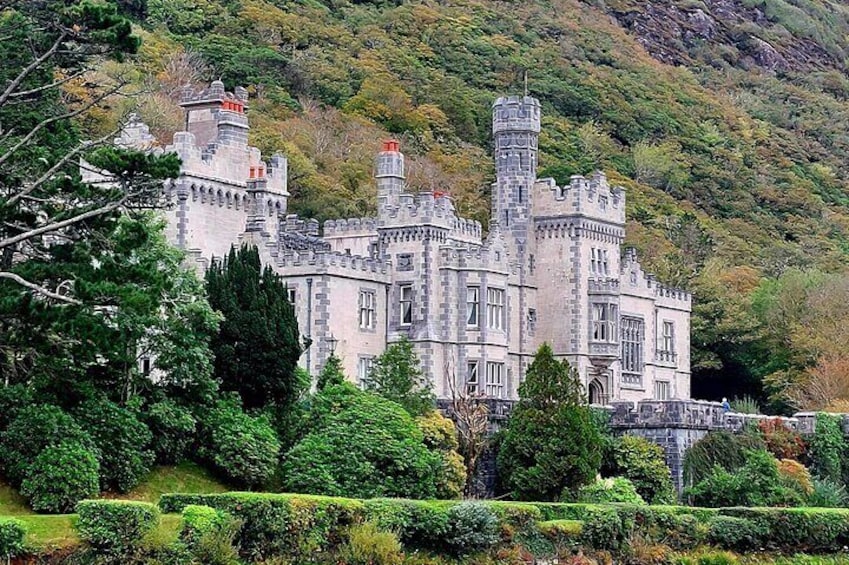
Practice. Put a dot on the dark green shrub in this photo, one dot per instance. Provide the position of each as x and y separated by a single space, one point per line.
641 462
614 489
12 533
60 477
721 448
826 448
173 428
364 446
472 528
13 399
368 545
756 483
36 427
397 376
115 527
242 448
738 534
549 448
209 534
123 441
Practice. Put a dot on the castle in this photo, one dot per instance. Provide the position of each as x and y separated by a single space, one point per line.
476 308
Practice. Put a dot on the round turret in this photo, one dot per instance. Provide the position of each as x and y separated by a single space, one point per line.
515 114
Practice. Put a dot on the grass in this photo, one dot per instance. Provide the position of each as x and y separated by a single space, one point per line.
12 503
186 478
50 532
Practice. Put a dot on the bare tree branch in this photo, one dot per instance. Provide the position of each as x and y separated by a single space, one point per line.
16 82
64 223
59 164
39 289
66 116
50 86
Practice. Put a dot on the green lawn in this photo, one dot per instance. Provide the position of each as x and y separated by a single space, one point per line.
50 532
12 503
185 477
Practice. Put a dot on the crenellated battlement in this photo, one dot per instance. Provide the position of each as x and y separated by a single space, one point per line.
590 197
435 208
332 260
350 226
515 114
291 223
636 281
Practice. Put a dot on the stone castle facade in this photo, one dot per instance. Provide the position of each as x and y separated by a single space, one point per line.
476 307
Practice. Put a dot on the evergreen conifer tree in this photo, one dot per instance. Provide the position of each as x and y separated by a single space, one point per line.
257 349
396 376
331 374
551 446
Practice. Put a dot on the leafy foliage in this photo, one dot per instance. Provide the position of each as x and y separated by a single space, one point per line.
614 489
396 376
361 445
173 430
116 527
126 456
36 428
723 449
644 465
549 446
440 436
826 449
472 528
60 476
780 440
241 447
257 349
756 483
12 534
368 545
331 374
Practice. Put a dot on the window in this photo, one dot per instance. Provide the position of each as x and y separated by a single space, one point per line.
668 338
145 366
291 295
405 261
633 336
593 261
367 310
472 305
603 322
472 379
661 390
605 267
364 365
406 304
495 380
532 318
495 308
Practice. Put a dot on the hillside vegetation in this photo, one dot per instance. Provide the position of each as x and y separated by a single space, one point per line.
725 120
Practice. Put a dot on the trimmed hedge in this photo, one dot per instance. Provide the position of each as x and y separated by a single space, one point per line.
12 533
286 524
115 527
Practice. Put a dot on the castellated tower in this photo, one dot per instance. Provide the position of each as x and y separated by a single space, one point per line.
389 175
515 129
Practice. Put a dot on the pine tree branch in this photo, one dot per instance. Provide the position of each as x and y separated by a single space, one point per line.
50 86
16 82
66 116
59 164
39 289
55 226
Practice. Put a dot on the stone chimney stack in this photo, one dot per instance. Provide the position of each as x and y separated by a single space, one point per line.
215 116
389 173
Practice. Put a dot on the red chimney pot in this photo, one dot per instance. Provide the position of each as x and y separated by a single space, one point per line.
391 145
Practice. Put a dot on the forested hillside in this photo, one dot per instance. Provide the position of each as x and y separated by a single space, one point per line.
725 120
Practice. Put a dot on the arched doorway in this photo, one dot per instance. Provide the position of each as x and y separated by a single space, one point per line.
596 392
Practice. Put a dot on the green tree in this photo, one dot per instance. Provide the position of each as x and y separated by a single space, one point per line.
331 374
396 376
257 349
642 463
550 446
361 445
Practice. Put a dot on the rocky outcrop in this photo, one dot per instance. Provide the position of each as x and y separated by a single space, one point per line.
720 33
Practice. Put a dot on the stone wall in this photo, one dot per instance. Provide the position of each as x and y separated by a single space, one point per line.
674 425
